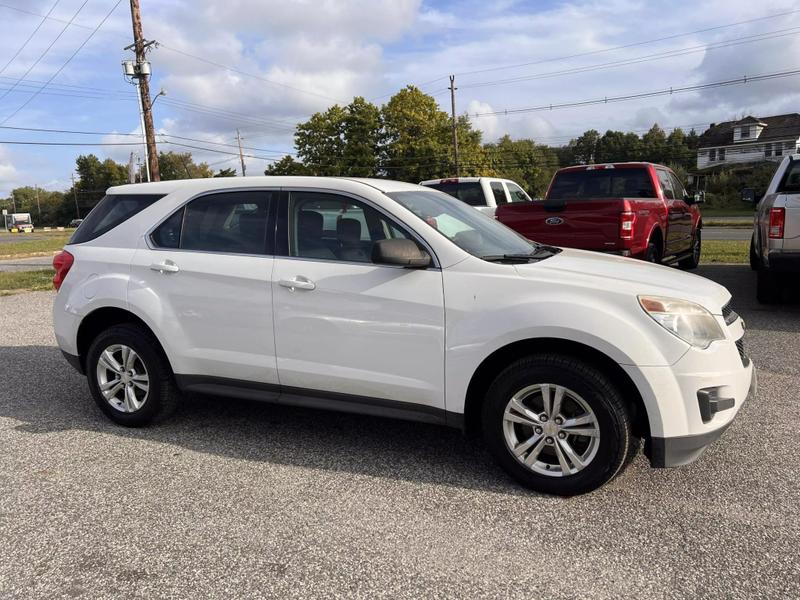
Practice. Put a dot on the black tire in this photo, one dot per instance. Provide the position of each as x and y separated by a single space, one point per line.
769 287
754 262
653 253
693 261
616 442
162 395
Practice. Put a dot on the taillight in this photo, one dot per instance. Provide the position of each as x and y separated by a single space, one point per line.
62 263
777 219
626 220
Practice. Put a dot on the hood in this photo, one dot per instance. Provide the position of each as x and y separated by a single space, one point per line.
626 275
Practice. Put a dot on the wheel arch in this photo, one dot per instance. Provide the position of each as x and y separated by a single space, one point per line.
494 363
102 318
657 234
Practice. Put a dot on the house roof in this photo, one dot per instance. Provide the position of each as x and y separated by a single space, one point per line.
775 128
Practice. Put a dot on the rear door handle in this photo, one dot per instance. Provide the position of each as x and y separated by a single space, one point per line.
298 283
166 266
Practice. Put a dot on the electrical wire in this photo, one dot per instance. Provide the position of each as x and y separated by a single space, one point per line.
63 66
30 37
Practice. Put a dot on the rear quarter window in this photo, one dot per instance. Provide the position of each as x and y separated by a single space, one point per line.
110 212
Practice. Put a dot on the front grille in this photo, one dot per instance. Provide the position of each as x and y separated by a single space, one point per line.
729 314
740 348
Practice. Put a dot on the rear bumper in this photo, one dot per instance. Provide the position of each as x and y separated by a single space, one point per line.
784 262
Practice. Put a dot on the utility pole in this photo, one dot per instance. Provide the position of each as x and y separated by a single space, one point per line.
14 200
142 75
453 89
131 170
241 156
75 193
38 206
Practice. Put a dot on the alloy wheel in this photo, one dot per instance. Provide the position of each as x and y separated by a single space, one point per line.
122 378
551 430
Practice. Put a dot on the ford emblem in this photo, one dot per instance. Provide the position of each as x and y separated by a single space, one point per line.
554 221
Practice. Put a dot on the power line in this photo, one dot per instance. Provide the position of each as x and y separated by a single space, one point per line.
642 59
30 37
664 92
42 55
63 66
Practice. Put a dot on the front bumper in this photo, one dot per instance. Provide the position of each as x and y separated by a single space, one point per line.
683 450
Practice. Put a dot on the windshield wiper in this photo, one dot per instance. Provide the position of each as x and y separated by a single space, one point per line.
539 253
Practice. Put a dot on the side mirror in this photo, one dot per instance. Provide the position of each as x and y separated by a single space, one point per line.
749 195
401 253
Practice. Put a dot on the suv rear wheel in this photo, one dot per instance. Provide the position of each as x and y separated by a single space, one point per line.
129 376
557 425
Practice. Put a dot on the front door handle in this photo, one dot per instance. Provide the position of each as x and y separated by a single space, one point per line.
166 266
298 283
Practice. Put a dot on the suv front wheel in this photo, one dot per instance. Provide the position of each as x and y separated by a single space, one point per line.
557 425
129 376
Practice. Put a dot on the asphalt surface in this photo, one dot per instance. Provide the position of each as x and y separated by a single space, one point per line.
727 233
232 499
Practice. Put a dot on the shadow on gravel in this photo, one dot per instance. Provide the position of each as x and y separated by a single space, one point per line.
54 398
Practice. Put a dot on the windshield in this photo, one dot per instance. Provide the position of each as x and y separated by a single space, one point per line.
470 192
601 184
22 219
466 227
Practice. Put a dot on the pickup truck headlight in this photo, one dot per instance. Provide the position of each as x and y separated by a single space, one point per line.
686 320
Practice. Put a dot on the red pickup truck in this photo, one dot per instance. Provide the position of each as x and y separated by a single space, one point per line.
633 209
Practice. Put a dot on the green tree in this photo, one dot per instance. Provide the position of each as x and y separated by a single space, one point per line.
654 145
584 148
44 212
227 172
616 146
362 135
94 178
179 165
287 166
320 142
529 164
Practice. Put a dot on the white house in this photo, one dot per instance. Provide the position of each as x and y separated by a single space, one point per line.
749 140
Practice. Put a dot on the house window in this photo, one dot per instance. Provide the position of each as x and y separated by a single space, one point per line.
778 149
767 150
712 155
745 133
722 154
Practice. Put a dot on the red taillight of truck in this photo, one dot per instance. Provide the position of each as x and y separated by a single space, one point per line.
777 220
62 263
626 221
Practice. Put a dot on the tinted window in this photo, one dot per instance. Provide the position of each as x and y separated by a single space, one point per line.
227 222
498 192
666 184
602 183
516 193
168 234
112 210
791 179
677 186
470 192
331 227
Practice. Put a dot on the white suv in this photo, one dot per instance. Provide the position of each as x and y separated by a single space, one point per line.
396 300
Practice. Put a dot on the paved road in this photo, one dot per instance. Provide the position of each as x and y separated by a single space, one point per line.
727 233
26 264
232 499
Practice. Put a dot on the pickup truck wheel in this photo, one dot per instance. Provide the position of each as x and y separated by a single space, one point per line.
769 287
557 424
129 377
753 255
652 254
692 262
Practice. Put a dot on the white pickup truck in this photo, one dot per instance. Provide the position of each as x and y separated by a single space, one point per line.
484 193
775 246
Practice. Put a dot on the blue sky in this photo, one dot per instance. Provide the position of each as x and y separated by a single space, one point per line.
290 58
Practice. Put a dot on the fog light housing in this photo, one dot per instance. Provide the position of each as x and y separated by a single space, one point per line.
710 403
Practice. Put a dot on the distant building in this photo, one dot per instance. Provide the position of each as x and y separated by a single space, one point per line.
749 140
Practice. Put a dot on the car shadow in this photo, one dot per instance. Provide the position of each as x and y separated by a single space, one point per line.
54 398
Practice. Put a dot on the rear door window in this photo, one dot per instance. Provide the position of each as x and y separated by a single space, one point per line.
111 211
499 192
602 184
469 192
227 222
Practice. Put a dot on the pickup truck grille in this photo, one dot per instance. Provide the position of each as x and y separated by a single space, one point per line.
729 314
740 348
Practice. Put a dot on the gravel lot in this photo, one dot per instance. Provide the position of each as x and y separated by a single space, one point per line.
234 499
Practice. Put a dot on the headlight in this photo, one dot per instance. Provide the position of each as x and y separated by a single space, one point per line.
687 320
